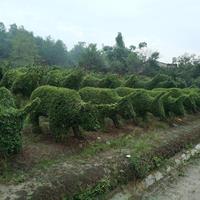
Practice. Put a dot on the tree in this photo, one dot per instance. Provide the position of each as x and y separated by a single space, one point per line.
119 41
76 53
92 59
4 43
142 45
24 50
154 55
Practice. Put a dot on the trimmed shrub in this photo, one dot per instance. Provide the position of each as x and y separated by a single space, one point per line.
108 104
143 103
135 82
6 98
25 83
90 81
156 80
73 80
173 105
167 84
123 91
110 81
98 95
9 77
54 77
63 107
11 123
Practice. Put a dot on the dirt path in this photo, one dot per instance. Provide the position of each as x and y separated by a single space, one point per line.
184 185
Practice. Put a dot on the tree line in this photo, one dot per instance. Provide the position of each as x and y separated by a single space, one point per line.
19 47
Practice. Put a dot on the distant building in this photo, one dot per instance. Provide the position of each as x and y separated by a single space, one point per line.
164 65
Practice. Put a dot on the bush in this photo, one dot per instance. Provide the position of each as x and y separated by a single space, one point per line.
167 84
6 98
110 81
98 95
173 105
25 83
135 82
156 80
108 104
11 123
90 81
143 103
54 77
123 91
9 77
63 108
73 80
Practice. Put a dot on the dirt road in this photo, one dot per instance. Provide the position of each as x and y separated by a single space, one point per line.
184 185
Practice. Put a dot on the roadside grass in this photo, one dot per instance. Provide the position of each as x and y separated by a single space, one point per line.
136 143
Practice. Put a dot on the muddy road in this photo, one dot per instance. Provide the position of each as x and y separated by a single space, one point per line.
182 185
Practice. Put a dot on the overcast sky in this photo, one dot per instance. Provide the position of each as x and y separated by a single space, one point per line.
172 27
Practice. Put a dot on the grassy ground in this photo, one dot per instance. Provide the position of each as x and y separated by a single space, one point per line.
99 163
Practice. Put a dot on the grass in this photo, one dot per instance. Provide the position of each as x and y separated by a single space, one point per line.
136 142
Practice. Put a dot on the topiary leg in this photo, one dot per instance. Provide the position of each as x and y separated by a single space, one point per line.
115 121
34 118
77 132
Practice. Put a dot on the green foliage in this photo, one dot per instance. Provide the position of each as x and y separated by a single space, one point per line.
141 166
90 81
99 189
108 104
9 77
25 83
92 59
98 95
54 77
123 91
110 81
73 80
88 115
64 108
10 131
158 79
174 105
141 102
6 98
24 50
11 123
135 82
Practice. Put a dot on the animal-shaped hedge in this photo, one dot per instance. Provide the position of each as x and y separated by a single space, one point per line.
65 110
143 103
11 123
108 103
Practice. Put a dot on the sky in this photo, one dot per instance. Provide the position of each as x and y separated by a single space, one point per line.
170 27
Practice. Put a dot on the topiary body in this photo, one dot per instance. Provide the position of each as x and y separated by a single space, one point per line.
63 107
11 123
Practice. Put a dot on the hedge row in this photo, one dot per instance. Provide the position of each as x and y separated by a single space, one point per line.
89 107
24 80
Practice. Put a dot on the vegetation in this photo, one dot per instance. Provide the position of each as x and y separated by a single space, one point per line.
11 123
